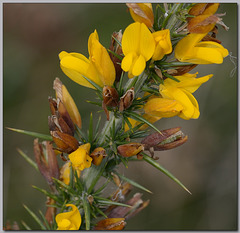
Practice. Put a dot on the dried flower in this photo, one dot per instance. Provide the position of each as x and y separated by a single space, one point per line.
48 165
98 155
117 49
98 68
126 100
67 100
142 13
138 46
168 139
80 157
130 149
110 224
69 220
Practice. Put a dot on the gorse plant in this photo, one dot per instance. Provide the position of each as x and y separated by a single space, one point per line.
143 77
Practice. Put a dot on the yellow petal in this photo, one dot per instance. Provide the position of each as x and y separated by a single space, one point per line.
71 107
147 43
75 67
139 66
127 61
187 82
93 36
162 107
131 38
102 61
179 95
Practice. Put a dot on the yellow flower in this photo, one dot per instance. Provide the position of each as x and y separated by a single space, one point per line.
163 44
177 98
138 46
190 49
98 68
80 158
142 13
65 173
69 220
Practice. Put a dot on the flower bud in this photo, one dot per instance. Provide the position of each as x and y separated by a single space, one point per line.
126 100
110 96
110 224
131 149
168 139
47 165
142 12
65 142
116 48
97 155
63 94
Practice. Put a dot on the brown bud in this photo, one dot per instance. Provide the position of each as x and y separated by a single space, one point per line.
97 155
110 224
126 100
47 165
170 138
183 70
204 8
65 142
131 149
116 48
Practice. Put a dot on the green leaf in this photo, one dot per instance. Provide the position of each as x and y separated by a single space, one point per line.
54 197
86 208
105 201
67 187
95 103
115 54
100 212
35 218
133 183
29 160
33 134
165 171
102 187
170 76
94 84
90 129
26 226
44 220
137 117
81 133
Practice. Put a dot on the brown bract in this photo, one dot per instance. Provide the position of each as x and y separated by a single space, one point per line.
130 149
126 100
110 224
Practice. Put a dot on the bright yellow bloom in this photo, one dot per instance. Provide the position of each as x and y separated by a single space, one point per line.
163 44
142 13
99 67
80 158
190 49
177 98
138 46
65 173
69 220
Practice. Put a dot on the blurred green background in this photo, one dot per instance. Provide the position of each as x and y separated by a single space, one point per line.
33 36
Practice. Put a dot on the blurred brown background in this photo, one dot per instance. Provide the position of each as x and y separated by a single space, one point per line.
33 36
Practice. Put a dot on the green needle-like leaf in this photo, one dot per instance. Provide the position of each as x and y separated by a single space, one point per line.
44 220
29 160
100 212
33 134
165 171
105 201
133 183
171 77
35 218
90 129
26 226
86 208
137 117
47 193
93 83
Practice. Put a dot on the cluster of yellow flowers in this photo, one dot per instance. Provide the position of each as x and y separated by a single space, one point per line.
141 47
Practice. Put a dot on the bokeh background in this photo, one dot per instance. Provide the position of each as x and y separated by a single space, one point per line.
33 36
